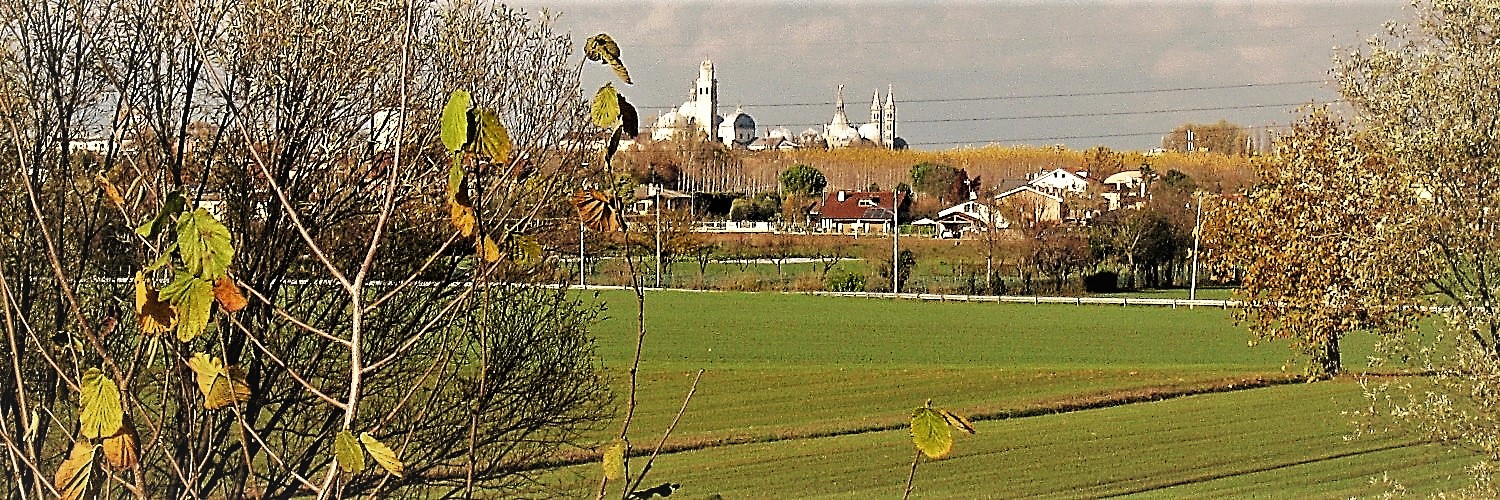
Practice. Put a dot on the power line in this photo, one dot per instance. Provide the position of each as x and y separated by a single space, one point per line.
1116 92
1046 96
1105 113
1070 137
1052 38
1092 114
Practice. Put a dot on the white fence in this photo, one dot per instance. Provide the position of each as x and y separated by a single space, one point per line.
1025 299
734 227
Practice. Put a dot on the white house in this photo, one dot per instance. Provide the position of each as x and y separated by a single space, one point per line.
966 217
1126 189
1060 182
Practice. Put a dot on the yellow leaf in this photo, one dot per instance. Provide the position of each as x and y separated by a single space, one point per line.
220 384
488 250
382 454
463 218
72 479
228 295
122 450
110 191
346 450
606 108
525 250
929 431
614 460
154 315
460 207
494 140
99 411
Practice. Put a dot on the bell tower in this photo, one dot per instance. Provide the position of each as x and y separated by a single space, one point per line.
888 118
706 98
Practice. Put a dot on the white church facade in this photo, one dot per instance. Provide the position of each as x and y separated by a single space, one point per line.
699 115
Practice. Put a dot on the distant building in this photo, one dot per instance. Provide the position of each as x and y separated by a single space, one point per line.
738 129
699 115
1060 182
858 211
879 132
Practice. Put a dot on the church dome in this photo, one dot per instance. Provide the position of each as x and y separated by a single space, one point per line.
781 133
870 132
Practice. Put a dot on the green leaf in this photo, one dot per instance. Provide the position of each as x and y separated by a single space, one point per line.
606 110
163 259
203 244
455 180
930 432
614 460
494 141
172 206
455 121
346 450
602 48
194 299
382 454
99 411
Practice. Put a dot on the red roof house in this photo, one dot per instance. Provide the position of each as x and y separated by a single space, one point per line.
859 211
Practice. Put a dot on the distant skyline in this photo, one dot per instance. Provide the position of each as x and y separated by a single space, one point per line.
1118 74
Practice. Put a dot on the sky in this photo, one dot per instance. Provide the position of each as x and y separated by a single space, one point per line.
1118 74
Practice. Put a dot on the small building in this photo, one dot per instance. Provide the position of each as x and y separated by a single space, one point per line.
1125 190
969 216
1031 205
859 211
646 195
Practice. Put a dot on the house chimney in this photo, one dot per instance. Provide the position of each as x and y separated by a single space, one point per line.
843 196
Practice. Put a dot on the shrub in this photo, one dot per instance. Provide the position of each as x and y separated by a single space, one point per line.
1102 282
845 282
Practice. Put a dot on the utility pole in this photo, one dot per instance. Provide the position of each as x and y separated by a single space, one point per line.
582 261
657 203
1197 233
895 245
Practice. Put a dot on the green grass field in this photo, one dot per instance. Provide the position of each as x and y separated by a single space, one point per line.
805 396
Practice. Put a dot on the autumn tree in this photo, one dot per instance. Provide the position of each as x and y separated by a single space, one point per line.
1219 137
940 181
1313 242
1101 162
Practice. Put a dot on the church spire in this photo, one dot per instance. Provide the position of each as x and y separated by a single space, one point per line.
888 118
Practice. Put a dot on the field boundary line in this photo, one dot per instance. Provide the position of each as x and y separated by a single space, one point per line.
1225 475
1095 401
1042 299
